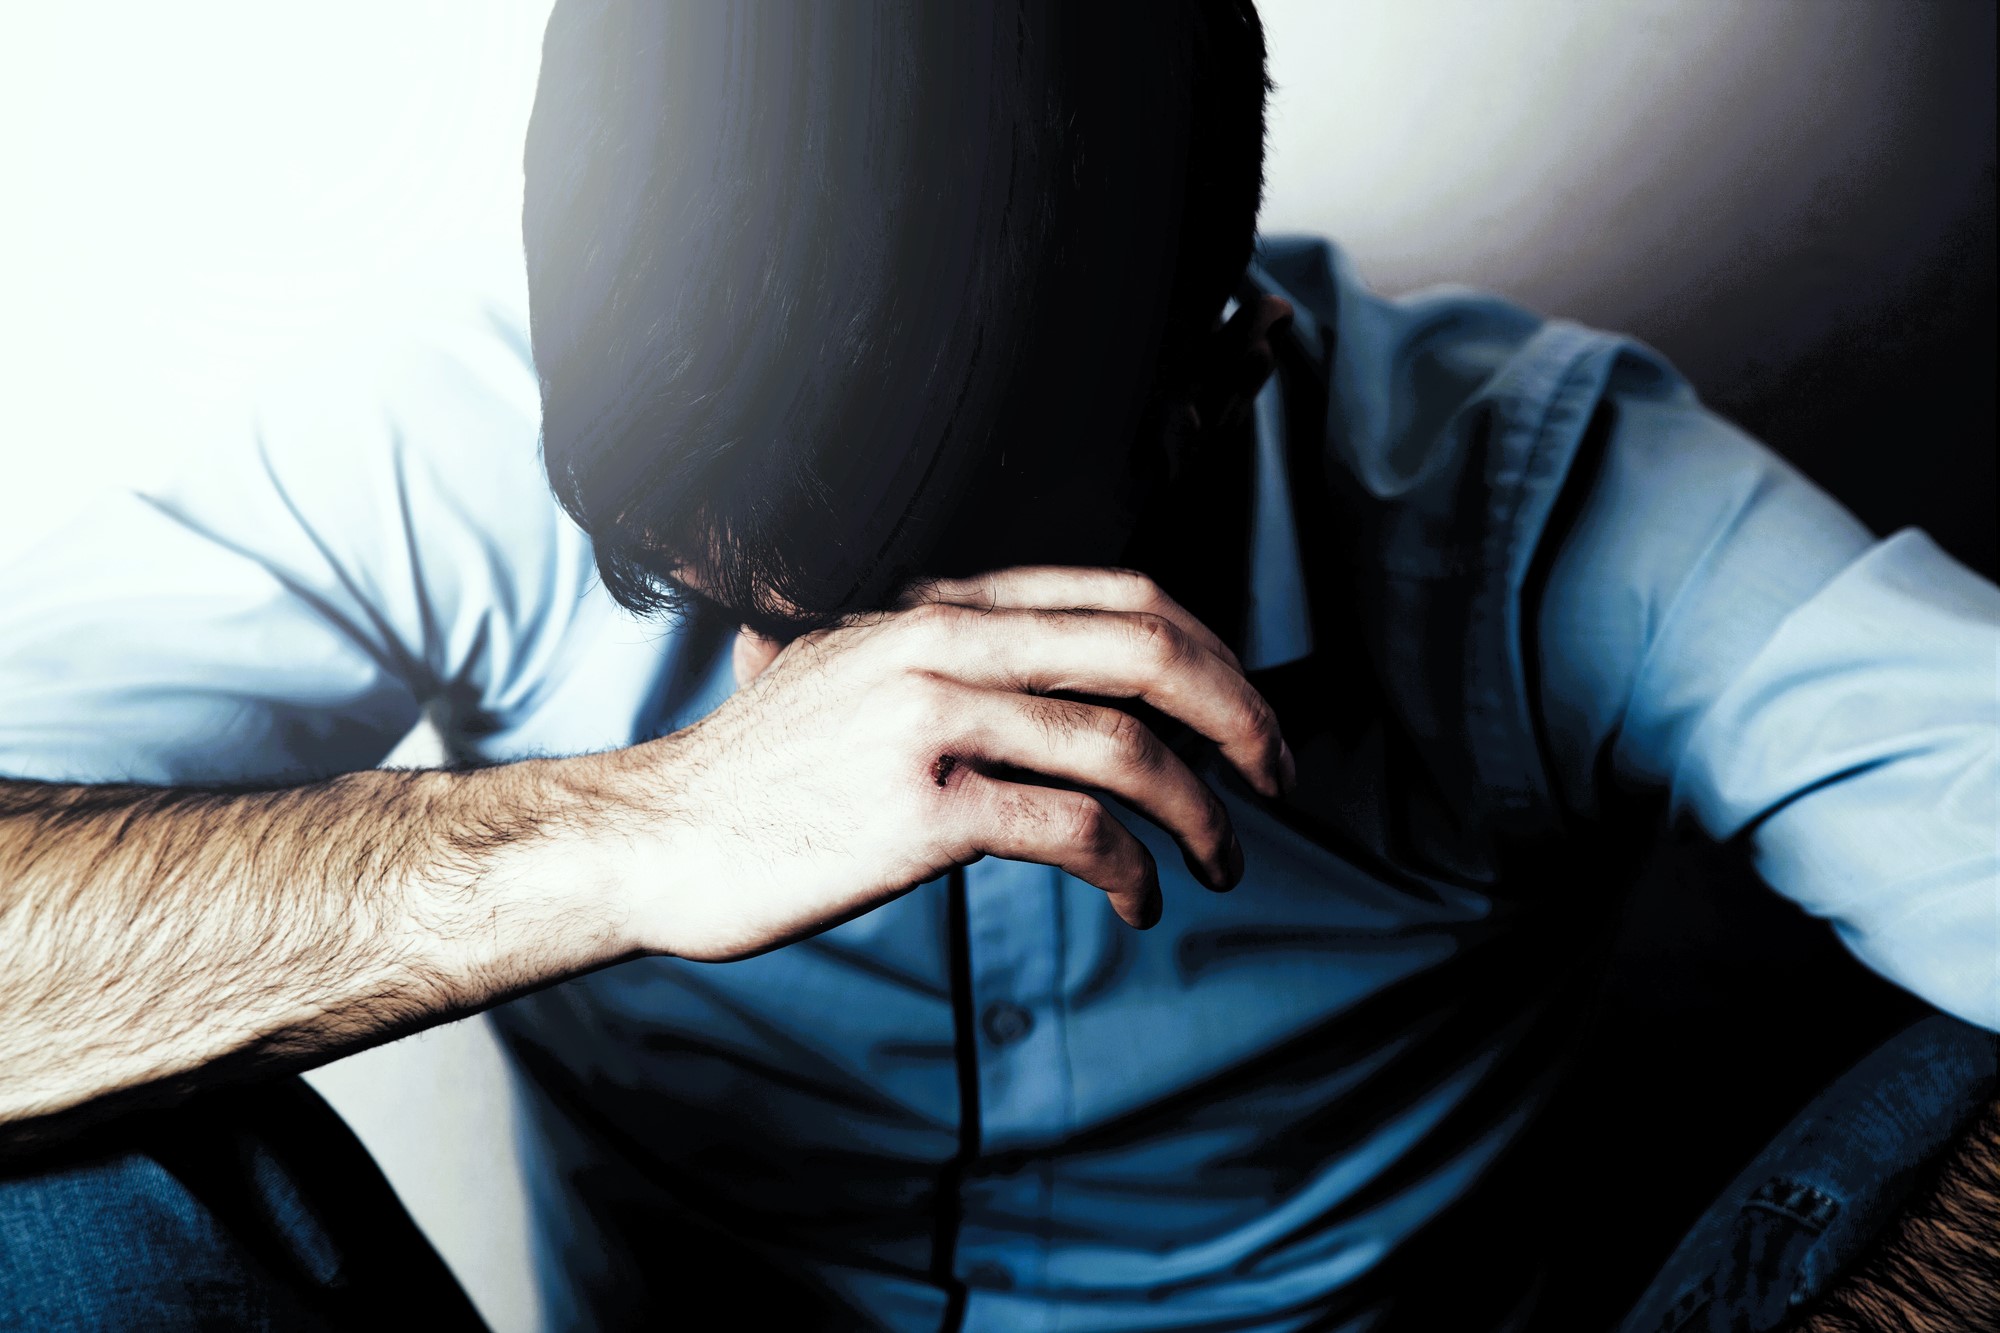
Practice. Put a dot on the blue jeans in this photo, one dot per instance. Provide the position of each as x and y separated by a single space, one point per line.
254 1208
258 1209
1808 1206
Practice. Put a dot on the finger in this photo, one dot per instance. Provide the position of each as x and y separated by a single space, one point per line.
1106 749
751 654
1240 362
1070 830
1110 654
1253 322
1070 587
1234 396
1273 314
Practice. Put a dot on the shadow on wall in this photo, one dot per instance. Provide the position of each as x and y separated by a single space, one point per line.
1794 201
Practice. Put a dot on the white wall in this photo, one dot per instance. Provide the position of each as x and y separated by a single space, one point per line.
192 190
1703 171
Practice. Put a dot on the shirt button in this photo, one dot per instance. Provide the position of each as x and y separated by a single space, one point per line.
1006 1022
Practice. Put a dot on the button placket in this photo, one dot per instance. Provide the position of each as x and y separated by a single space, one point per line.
1014 960
1005 1022
1011 919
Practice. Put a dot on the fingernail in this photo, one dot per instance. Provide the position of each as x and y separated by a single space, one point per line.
1149 915
1288 769
1233 873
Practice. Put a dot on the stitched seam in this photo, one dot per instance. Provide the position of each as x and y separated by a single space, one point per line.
1496 722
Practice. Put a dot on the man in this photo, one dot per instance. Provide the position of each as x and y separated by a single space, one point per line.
869 344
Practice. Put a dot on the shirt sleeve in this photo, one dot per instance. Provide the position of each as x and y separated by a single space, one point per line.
378 537
1716 628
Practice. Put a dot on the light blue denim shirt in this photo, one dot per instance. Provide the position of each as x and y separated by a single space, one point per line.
1510 583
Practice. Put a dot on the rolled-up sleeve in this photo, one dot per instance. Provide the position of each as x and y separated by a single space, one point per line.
1715 628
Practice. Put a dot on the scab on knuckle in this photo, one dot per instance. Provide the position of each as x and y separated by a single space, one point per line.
924 800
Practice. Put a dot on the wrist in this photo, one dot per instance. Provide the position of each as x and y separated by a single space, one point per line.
535 884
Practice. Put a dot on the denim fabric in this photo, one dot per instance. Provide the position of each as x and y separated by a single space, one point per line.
253 1209
1808 1206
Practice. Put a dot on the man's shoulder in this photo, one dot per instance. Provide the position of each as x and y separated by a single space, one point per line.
397 452
1442 401
390 476
436 380
1465 331
1444 427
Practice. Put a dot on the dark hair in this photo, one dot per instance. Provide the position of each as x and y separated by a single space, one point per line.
804 278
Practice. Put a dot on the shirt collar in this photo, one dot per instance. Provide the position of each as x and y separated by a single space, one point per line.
1278 623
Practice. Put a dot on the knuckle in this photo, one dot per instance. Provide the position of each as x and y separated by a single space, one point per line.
1215 819
1133 872
1139 587
921 592
1125 736
885 696
931 617
926 698
912 706
1080 821
1159 640
1260 724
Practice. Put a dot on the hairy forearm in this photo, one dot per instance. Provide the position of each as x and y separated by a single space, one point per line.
1937 1268
156 940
